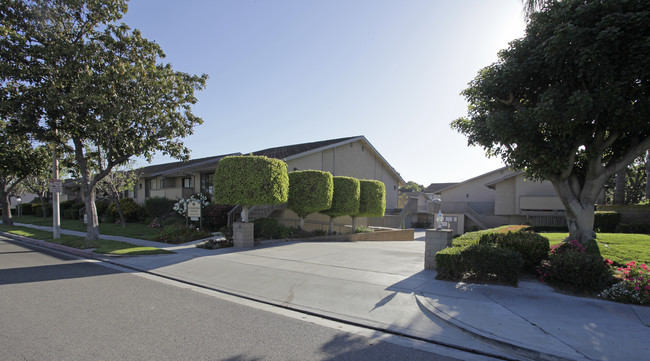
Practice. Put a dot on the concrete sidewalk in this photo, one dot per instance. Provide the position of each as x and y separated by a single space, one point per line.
383 285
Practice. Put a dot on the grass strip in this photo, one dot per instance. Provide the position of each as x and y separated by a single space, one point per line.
134 230
101 246
618 247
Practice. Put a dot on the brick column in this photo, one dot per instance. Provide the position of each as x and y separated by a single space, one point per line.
243 234
435 241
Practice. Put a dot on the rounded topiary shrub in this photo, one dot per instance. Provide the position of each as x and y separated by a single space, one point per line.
251 180
310 191
345 200
372 198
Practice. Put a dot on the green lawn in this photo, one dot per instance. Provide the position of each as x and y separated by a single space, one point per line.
618 247
100 246
134 230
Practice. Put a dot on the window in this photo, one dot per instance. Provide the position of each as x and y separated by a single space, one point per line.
207 184
187 183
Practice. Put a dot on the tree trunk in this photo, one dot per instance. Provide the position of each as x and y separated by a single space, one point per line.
579 207
41 198
92 228
619 192
647 172
301 223
119 211
6 210
354 224
330 230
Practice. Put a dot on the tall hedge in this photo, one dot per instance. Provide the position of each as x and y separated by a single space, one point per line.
251 180
310 191
372 199
345 200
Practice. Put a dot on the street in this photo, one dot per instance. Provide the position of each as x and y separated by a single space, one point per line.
56 307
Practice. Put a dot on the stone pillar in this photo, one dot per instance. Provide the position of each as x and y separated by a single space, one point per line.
243 234
436 240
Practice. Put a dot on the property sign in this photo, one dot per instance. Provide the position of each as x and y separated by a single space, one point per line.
194 210
56 186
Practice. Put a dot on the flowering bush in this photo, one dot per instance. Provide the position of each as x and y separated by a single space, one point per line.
634 286
571 268
154 224
181 205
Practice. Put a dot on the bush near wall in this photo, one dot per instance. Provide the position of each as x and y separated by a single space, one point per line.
37 209
250 180
310 191
158 206
132 211
372 198
479 262
606 221
345 200
215 216
533 247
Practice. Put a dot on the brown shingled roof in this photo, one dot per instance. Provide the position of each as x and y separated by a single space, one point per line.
289 150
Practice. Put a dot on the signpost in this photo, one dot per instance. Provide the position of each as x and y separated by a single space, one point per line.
56 186
194 212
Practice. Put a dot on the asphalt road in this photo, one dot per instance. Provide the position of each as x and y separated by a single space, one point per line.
56 307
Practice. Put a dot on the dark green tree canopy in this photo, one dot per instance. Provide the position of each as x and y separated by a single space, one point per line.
251 180
569 102
372 198
310 191
345 200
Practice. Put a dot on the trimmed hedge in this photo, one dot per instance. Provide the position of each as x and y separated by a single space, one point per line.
345 200
479 262
310 191
37 210
159 206
606 221
250 180
372 198
577 272
533 247
132 211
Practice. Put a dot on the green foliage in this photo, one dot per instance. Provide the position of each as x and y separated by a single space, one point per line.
577 272
606 221
269 228
251 180
345 201
372 198
94 85
642 228
180 233
215 216
362 229
157 207
102 207
37 210
131 210
565 103
215 243
310 191
479 262
531 246
412 187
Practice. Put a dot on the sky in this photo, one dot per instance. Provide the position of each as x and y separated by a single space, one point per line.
285 72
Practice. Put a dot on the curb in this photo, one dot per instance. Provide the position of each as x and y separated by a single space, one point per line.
505 344
57 247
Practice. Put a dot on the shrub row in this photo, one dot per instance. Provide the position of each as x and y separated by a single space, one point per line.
498 254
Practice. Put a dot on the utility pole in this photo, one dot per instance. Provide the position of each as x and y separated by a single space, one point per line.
56 217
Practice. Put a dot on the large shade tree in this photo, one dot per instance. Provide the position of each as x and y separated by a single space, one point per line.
95 85
570 101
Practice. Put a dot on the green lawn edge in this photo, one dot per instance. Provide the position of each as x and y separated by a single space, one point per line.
101 246
621 248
